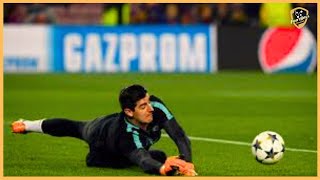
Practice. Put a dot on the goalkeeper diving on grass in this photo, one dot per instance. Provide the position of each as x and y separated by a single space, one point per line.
124 139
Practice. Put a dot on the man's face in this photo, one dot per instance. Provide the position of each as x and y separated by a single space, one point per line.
143 110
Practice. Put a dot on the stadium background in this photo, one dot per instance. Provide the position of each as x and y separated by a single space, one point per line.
228 103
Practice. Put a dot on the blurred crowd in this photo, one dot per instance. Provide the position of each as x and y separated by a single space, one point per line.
239 14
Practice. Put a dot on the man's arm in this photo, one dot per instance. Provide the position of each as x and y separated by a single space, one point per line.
177 134
143 159
172 127
172 165
138 155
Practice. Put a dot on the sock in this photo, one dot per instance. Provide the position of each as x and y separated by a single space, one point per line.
33 126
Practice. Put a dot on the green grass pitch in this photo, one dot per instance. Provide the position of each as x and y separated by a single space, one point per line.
233 106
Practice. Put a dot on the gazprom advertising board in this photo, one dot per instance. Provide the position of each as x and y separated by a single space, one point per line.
156 48
134 49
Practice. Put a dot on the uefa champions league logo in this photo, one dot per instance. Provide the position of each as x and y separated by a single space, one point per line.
299 17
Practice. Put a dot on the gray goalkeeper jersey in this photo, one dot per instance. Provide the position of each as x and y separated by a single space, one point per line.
115 142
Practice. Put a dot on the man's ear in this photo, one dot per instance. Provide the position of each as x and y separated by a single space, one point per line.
128 112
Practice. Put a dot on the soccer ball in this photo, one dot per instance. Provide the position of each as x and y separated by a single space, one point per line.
268 147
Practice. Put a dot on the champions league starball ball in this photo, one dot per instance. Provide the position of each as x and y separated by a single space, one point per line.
268 147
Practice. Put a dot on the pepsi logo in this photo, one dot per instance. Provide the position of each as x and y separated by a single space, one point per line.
287 50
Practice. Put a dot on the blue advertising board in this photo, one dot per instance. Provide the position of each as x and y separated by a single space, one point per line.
152 48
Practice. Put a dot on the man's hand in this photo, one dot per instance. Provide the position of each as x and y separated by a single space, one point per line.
172 165
187 170
175 166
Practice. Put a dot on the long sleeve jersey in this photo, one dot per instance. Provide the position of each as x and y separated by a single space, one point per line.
115 142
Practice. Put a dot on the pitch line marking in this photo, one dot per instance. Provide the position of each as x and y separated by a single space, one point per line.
239 143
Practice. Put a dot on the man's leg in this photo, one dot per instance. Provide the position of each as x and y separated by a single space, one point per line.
63 127
55 127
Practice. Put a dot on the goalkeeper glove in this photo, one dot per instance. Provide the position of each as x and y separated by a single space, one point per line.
175 165
187 170
172 165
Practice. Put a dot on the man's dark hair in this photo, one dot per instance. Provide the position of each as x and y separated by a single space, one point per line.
130 95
